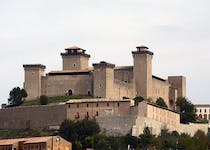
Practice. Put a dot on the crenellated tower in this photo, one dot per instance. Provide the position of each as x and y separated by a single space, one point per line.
142 71
33 76
103 80
75 58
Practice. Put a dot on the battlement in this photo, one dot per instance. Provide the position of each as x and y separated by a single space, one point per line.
142 50
103 64
34 66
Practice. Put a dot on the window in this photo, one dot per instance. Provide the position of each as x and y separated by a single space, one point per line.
70 92
69 105
118 104
107 104
77 105
89 93
200 110
74 65
97 113
205 110
87 105
97 105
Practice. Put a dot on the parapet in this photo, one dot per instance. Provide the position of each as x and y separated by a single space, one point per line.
142 50
104 64
74 50
34 66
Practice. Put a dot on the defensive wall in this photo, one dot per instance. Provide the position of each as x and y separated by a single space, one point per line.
32 116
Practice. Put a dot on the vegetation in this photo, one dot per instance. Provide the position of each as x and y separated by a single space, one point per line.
186 109
160 101
58 99
9 134
16 96
43 100
138 99
80 132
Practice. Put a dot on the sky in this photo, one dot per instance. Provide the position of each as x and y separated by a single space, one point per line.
177 31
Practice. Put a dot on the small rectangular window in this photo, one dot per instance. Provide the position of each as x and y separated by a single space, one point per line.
87 105
77 105
107 104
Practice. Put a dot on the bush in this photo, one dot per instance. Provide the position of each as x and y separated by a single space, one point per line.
160 101
43 100
138 99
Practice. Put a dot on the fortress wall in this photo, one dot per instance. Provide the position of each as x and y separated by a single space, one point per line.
157 113
100 108
123 89
116 124
32 116
160 89
156 127
59 85
125 75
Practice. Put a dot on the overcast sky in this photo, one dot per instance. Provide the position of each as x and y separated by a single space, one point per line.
177 31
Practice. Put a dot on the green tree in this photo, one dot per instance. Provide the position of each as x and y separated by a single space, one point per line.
78 130
138 99
186 109
89 142
160 101
200 140
43 100
131 140
16 96
146 139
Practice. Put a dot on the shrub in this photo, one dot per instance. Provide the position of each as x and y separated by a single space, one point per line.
43 100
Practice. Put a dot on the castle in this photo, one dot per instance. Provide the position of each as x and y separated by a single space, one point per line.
107 84
103 80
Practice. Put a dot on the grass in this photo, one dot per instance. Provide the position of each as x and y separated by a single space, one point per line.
9 134
51 100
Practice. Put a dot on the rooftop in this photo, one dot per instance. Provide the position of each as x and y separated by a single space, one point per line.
25 140
93 100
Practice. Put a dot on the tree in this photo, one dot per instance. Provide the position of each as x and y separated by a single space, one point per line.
16 96
160 101
138 99
187 110
43 100
146 138
78 131
200 140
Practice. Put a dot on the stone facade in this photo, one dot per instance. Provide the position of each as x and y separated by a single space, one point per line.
103 80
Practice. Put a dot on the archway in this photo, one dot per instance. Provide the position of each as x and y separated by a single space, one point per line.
70 92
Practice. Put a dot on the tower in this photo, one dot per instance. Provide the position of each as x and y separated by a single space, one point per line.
142 71
75 58
103 79
32 82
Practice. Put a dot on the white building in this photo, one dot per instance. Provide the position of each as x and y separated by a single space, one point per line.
203 111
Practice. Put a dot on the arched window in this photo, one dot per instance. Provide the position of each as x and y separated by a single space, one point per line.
70 92
200 116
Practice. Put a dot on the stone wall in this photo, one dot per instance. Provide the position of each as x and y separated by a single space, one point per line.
32 117
123 89
59 85
116 124
156 127
160 89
